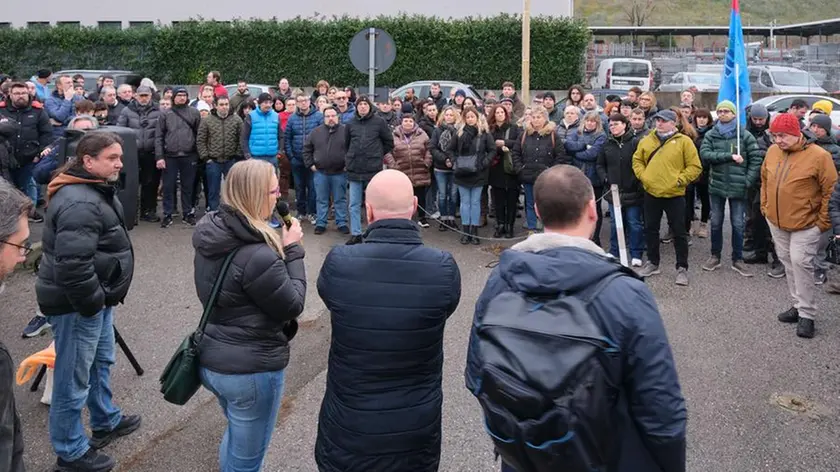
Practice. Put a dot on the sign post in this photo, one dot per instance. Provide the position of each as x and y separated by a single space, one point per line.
372 52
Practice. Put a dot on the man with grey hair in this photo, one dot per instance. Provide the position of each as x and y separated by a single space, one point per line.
14 247
125 94
109 96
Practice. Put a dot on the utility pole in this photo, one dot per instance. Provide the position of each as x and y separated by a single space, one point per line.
526 52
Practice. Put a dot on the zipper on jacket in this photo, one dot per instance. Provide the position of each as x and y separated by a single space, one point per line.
780 177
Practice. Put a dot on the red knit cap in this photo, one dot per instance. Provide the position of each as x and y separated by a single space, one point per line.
786 123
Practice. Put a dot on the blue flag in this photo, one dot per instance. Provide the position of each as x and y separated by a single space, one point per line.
736 53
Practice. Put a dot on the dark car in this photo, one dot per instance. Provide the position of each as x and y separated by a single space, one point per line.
120 77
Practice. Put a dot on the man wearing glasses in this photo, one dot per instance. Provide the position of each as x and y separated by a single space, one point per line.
14 247
346 110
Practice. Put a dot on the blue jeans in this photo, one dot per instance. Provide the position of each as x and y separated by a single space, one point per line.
335 186
304 189
22 179
470 205
530 212
447 193
214 172
737 212
634 231
357 190
250 402
84 354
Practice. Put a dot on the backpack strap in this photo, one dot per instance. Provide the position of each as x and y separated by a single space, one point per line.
592 293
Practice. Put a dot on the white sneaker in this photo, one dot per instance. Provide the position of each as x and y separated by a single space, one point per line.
312 219
636 263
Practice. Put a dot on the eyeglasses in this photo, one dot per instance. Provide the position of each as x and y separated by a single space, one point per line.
25 249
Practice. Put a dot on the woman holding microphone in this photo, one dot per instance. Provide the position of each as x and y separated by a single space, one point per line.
245 348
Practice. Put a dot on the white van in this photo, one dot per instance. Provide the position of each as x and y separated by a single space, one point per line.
624 74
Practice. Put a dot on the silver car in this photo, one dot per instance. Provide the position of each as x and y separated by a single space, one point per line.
702 81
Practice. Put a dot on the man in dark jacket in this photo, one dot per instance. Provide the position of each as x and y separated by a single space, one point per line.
85 271
651 408
34 135
14 237
219 145
820 130
323 154
757 241
368 139
176 153
300 124
384 377
142 116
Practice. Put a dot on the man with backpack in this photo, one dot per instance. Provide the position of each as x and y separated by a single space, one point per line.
568 354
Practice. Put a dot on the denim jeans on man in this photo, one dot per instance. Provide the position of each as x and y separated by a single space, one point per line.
304 189
214 172
357 190
335 186
84 354
470 205
186 167
737 218
22 179
634 231
447 193
250 402
530 212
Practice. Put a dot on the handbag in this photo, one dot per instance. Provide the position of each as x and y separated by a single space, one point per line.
832 252
180 379
468 165
507 157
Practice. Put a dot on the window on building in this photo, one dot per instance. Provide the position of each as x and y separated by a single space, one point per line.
110 24
69 24
37 24
141 24
5 25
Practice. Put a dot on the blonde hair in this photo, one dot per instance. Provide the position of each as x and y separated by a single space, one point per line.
454 109
481 123
652 99
246 190
591 116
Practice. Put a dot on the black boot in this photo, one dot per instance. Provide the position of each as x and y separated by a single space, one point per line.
500 230
755 258
91 461
474 240
466 231
509 230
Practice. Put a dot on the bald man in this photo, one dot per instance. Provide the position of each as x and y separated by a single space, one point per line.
389 299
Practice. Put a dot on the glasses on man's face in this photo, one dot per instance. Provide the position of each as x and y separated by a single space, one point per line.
25 249
341 98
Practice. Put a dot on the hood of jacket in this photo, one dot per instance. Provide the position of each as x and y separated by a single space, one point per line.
220 232
549 128
137 107
73 177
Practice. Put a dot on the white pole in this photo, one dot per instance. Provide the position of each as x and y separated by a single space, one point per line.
619 225
372 63
526 52
738 108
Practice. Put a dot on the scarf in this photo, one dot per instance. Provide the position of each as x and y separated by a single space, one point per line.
727 130
663 137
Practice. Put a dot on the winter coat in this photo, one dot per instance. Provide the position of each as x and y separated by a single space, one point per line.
584 149
325 149
392 118
8 130
556 114
675 165
468 144
830 145
347 115
88 260
615 166
411 156
34 132
698 142
727 178
237 99
834 208
386 358
262 134
260 298
367 141
114 112
439 146
535 151
143 120
297 129
498 177
177 129
564 131
219 138
650 414
11 433
427 125
60 110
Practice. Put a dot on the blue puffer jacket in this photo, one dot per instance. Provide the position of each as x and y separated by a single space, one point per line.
263 139
651 413
297 129
60 110
349 114
583 157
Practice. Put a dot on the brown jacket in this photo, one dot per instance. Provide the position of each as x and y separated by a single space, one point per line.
412 158
796 186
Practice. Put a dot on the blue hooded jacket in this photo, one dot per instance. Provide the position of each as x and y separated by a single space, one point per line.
651 414
298 128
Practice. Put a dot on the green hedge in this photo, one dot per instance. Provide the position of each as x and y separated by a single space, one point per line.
483 52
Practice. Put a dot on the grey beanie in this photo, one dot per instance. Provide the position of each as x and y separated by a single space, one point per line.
757 110
823 121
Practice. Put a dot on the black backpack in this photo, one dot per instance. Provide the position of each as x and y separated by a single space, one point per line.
549 381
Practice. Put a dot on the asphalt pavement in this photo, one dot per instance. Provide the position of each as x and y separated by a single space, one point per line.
733 357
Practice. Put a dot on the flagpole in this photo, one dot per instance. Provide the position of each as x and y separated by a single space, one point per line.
738 107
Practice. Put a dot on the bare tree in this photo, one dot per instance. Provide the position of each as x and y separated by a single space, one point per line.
638 12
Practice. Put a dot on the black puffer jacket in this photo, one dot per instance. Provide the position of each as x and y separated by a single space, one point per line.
834 208
34 133
8 130
536 151
368 140
439 146
615 166
324 148
498 177
262 294
143 120
177 130
88 261
466 145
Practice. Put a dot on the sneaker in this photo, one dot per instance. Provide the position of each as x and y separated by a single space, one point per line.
128 424
423 223
682 277
636 263
320 230
35 216
711 264
649 269
777 270
819 277
312 219
36 327
669 236
343 230
189 219
92 461
703 230
790 316
167 221
357 239
805 328
150 217
741 268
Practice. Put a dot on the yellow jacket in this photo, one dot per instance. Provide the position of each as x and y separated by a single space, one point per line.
674 166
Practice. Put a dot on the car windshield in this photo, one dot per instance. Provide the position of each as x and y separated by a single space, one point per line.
630 69
704 79
794 79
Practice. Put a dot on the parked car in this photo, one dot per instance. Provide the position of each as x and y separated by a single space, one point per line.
254 89
780 79
120 77
780 103
623 74
703 82
421 89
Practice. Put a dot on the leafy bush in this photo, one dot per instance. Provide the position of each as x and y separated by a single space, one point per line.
483 52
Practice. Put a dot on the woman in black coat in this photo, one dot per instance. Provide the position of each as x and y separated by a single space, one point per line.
439 143
245 349
503 181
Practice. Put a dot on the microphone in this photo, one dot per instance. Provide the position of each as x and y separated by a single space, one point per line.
282 209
